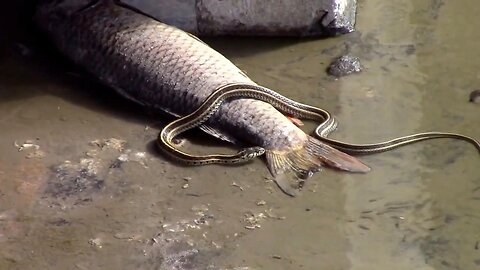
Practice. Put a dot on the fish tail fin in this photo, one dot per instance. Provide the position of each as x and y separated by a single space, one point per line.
308 159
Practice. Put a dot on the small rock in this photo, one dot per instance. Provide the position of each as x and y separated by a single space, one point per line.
344 65
475 96
96 242
261 202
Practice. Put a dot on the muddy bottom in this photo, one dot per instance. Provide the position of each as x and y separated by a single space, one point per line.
82 185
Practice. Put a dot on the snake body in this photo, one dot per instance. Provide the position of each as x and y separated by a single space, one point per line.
288 106
212 104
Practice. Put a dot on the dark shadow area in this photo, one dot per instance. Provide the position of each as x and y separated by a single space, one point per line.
30 66
15 18
248 46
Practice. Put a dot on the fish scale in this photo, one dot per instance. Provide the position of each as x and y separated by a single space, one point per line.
160 66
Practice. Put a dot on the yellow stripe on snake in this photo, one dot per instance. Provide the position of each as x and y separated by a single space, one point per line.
287 106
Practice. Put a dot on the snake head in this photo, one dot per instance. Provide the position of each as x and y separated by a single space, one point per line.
251 152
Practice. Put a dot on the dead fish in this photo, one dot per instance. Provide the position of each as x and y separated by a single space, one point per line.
162 67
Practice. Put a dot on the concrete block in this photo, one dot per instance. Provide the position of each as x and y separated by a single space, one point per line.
254 17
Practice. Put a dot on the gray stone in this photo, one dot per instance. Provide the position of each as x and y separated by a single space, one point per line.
254 17
181 13
344 65
475 96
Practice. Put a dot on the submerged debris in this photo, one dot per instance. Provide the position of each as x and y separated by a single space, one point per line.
270 214
75 179
202 208
344 65
253 220
30 145
173 248
237 185
128 236
26 145
96 242
36 154
78 181
111 143
128 155
260 202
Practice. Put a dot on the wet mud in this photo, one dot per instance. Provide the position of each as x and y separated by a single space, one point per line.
82 185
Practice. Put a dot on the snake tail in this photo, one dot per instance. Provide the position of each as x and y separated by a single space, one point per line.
310 158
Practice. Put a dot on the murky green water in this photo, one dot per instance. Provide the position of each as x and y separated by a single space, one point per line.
69 203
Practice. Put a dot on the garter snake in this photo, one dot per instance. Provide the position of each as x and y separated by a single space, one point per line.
212 104
286 105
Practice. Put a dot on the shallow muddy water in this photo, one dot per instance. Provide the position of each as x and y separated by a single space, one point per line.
83 187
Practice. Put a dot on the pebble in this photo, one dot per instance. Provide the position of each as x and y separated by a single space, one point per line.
344 65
